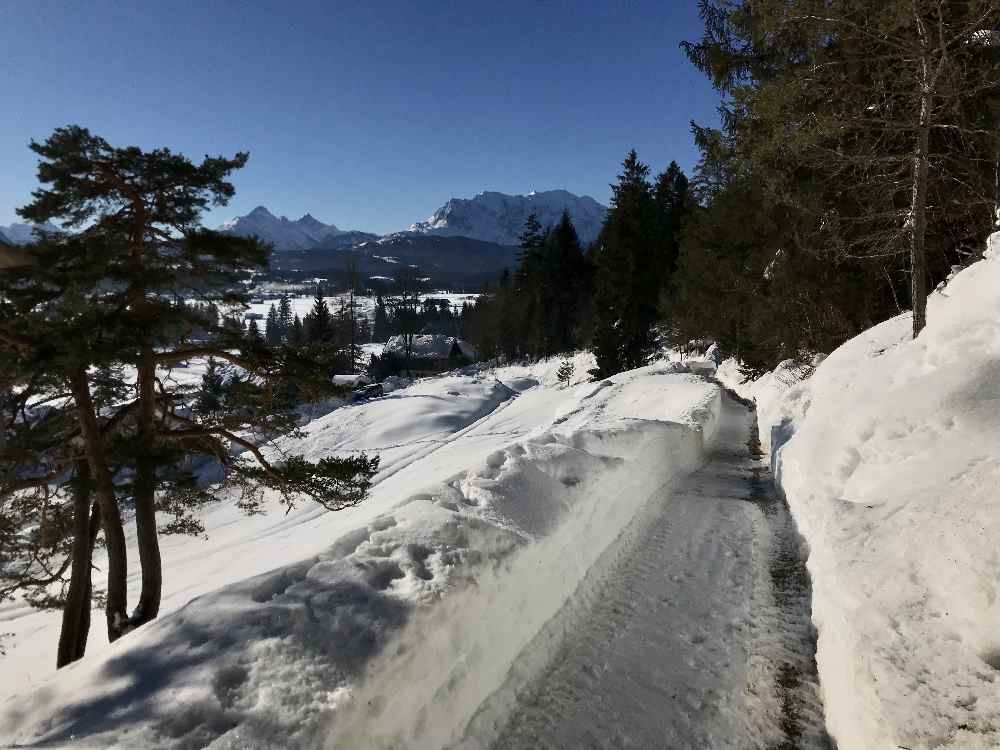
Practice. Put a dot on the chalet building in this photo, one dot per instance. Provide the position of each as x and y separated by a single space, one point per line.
429 354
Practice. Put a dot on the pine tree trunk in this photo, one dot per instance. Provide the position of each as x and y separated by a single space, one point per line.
76 610
104 488
918 219
145 498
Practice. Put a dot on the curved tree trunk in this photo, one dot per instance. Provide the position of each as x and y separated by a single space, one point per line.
145 498
104 488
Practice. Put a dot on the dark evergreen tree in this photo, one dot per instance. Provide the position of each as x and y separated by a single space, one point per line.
253 332
285 316
296 335
565 372
627 290
210 400
106 296
876 124
272 328
561 290
380 322
319 326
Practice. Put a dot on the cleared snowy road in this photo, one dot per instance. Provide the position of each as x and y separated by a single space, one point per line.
692 632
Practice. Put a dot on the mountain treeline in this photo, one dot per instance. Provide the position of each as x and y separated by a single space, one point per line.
855 166
564 297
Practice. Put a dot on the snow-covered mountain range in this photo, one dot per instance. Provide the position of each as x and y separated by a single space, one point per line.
22 234
499 217
283 233
465 236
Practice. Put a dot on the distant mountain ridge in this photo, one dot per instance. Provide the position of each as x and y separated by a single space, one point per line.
23 234
499 217
285 234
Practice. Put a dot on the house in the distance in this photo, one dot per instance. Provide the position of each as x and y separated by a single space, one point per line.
429 354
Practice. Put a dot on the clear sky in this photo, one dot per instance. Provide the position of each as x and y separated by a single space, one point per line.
370 114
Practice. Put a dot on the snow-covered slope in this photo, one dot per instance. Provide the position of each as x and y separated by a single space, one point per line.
889 456
283 233
23 234
498 217
397 618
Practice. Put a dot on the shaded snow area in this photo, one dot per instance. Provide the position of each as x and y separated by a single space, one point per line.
888 456
389 624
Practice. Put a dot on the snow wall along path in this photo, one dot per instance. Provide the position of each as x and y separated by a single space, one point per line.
889 455
584 481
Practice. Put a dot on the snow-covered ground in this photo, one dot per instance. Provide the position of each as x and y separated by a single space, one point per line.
497 492
888 455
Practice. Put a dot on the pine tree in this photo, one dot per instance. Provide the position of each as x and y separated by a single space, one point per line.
562 289
877 124
380 322
565 372
211 396
673 204
253 333
320 326
297 335
138 216
272 328
284 315
627 291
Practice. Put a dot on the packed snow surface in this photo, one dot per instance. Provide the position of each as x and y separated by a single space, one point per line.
284 630
889 455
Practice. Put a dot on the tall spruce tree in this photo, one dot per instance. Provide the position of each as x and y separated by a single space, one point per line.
272 328
319 325
284 315
626 295
562 282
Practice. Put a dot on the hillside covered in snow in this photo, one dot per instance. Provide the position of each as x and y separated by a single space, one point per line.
888 455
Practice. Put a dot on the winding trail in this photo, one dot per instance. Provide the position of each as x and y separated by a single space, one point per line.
694 631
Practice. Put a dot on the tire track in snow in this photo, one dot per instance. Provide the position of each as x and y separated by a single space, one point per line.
695 634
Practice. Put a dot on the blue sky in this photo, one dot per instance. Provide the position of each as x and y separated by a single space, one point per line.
369 115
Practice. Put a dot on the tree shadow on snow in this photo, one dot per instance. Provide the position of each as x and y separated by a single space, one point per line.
331 623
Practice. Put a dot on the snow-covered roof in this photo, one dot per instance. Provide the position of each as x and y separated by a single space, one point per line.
429 346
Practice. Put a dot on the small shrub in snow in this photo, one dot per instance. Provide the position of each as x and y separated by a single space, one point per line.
565 372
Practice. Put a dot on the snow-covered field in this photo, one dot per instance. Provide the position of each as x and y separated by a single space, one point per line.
393 620
888 456
302 304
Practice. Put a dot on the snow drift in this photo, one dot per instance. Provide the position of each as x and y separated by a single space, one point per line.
888 456
393 631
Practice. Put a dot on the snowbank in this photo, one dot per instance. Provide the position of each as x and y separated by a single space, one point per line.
888 456
394 622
